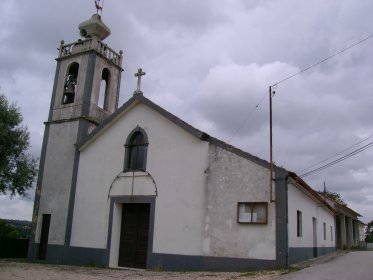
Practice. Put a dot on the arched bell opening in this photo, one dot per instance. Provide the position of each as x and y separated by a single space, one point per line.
70 83
103 97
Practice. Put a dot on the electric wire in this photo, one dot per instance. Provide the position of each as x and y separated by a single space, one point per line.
323 60
334 155
294 75
355 152
247 117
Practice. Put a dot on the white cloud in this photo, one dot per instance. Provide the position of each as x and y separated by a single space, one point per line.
16 208
210 62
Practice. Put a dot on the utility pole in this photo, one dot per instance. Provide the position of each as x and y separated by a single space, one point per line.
270 145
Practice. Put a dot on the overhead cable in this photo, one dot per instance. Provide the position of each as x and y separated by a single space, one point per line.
247 118
355 152
294 75
337 154
323 60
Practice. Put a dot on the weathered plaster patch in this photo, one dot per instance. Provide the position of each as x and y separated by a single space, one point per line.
232 179
206 246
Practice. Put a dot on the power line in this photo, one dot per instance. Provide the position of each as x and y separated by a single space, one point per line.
323 60
294 75
355 152
247 117
337 154
338 160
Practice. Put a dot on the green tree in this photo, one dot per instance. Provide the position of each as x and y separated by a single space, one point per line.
7 231
334 196
17 168
369 232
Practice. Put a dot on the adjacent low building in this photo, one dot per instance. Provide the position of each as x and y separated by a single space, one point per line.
349 229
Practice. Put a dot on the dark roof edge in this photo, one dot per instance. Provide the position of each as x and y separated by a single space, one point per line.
348 209
338 206
241 153
105 123
138 97
194 131
310 190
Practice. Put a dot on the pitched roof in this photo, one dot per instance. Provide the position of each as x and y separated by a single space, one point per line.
139 98
203 136
347 211
340 208
310 190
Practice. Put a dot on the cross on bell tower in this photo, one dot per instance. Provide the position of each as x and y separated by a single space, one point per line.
138 75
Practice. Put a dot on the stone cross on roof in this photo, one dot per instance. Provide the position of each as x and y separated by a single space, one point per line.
138 75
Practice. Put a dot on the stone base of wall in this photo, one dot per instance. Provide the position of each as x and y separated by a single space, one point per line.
59 254
198 263
299 254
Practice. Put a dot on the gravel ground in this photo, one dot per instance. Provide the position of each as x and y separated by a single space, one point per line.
10 269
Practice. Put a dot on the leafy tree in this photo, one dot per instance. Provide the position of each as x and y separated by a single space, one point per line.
17 168
369 232
334 196
7 231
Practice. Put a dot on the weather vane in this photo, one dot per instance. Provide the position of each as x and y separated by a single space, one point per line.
98 6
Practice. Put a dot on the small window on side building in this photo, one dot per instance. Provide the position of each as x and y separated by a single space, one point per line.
324 231
299 223
252 213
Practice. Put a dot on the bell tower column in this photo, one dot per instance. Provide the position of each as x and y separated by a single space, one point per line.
85 92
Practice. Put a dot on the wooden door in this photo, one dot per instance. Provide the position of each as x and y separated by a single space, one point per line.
133 247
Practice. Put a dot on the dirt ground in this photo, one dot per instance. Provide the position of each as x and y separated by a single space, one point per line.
10 269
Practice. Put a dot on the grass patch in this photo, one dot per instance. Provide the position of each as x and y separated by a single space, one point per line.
250 273
289 269
91 264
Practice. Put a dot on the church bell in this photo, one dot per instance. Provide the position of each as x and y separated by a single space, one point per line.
69 90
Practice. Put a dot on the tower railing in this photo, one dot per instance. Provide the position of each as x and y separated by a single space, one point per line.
90 44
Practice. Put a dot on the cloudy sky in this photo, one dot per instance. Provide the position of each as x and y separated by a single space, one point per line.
211 63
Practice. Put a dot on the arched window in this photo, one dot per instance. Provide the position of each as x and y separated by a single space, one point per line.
70 83
136 150
104 89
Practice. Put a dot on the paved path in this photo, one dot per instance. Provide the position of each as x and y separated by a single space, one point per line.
352 266
13 270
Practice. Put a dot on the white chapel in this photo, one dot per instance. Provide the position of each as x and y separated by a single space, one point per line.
136 186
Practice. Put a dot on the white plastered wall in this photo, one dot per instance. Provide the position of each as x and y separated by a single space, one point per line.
299 200
56 183
176 161
234 179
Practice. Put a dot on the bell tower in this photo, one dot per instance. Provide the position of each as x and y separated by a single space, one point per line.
85 92
87 77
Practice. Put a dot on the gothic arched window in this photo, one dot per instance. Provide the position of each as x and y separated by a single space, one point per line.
136 150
